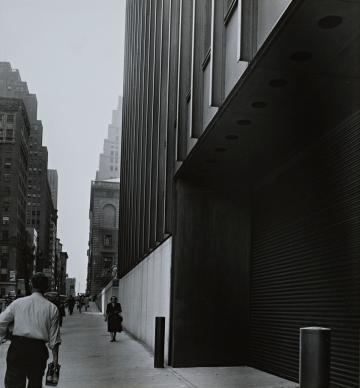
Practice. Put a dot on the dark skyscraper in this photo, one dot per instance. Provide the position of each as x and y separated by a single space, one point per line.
240 172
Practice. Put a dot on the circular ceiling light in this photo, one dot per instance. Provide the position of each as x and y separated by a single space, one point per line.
330 21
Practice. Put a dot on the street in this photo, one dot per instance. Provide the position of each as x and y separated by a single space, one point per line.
89 360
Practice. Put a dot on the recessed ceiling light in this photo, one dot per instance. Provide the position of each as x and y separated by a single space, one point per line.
277 82
330 21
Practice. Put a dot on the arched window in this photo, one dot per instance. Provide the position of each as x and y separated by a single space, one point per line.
109 214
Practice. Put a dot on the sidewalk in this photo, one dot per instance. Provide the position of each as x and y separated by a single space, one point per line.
89 360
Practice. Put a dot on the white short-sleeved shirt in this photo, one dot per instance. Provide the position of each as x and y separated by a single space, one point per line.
33 317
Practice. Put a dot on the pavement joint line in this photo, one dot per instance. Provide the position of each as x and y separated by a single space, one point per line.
181 378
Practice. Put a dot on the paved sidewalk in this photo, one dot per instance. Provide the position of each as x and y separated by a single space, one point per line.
89 360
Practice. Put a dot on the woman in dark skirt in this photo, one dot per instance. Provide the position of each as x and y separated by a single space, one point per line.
114 318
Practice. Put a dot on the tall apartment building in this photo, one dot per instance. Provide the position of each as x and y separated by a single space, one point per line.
109 163
40 211
70 286
16 255
52 177
240 173
53 183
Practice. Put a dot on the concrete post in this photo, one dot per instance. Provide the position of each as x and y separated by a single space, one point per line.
315 357
159 342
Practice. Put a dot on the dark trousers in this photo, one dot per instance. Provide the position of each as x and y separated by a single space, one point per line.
26 359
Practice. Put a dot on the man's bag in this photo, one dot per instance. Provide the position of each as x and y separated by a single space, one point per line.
52 374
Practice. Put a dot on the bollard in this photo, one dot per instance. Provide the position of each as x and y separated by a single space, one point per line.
159 342
314 357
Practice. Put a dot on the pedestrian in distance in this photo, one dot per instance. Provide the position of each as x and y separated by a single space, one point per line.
79 303
86 302
71 304
35 322
114 318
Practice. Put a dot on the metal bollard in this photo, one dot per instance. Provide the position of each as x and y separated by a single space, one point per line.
314 357
159 342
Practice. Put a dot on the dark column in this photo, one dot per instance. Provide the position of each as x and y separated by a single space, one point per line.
315 357
159 342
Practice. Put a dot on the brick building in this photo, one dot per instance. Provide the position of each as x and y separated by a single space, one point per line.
41 213
16 259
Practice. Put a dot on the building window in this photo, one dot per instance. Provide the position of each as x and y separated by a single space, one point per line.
108 262
6 220
107 240
9 134
4 263
5 235
10 118
109 216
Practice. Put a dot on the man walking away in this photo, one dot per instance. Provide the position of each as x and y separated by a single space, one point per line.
36 322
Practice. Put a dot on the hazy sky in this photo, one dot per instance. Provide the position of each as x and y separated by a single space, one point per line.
70 52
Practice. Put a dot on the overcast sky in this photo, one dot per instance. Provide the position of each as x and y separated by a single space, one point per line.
70 52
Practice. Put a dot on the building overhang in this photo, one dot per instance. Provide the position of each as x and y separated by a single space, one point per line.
302 82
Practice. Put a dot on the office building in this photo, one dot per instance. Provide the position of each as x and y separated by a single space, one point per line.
53 183
240 180
103 236
70 286
16 254
40 211
109 163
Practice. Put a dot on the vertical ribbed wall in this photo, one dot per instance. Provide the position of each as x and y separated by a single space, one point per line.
148 128
305 257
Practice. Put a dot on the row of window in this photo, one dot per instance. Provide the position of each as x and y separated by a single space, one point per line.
33 222
7 135
9 118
